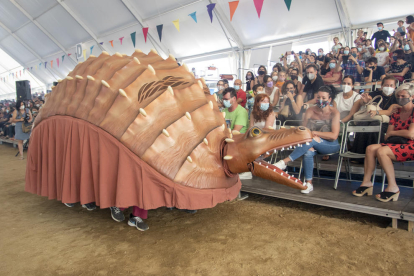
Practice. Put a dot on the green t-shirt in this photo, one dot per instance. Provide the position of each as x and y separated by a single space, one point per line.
238 117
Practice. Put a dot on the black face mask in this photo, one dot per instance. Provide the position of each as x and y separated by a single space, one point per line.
293 77
261 73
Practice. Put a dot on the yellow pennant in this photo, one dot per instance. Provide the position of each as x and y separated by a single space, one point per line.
84 54
177 24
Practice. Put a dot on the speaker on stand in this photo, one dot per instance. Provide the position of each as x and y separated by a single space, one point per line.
23 90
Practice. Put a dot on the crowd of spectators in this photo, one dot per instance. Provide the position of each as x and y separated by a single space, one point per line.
321 89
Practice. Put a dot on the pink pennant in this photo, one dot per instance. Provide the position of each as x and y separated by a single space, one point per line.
57 61
258 4
120 39
145 31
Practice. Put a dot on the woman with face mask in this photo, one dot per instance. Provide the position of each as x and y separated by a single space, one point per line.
401 125
346 99
249 80
262 115
291 106
331 76
261 72
271 90
19 116
323 121
257 89
382 55
400 69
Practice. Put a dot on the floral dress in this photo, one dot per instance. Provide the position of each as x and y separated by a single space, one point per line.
402 152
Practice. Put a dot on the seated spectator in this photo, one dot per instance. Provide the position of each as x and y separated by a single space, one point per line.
360 37
410 29
241 95
409 54
276 68
280 80
219 93
323 121
8 127
346 99
296 78
261 72
402 126
350 64
234 112
262 115
291 106
332 76
381 34
367 51
400 69
312 82
325 67
382 55
249 80
257 89
320 59
271 90
373 72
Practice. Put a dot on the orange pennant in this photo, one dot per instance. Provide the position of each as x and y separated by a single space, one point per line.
112 43
51 63
233 6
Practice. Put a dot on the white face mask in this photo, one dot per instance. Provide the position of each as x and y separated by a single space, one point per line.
346 88
261 92
274 78
21 107
388 90
311 76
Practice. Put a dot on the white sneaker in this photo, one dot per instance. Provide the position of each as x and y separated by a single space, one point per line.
308 189
281 165
246 175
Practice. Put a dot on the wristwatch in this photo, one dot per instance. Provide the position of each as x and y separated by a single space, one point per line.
377 112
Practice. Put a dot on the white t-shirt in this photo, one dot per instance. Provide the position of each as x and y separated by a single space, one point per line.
381 56
346 104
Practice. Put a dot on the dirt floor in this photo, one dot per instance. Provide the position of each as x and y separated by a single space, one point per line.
258 236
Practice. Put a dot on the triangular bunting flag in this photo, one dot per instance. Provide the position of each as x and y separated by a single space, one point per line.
112 43
145 32
57 61
177 24
69 54
31 68
194 16
63 57
288 2
84 54
91 49
258 4
51 64
101 43
120 39
233 6
20 73
159 30
45 63
210 8
133 38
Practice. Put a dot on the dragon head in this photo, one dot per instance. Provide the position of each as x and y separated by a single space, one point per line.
246 152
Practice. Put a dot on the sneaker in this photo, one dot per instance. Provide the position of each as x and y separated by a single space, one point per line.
246 175
138 223
281 165
117 214
308 189
70 205
89 206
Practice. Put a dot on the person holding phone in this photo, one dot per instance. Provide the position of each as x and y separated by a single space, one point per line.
350 64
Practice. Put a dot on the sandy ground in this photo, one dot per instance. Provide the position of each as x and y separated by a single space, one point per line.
258 236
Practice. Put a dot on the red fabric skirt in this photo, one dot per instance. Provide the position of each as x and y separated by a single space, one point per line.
72 160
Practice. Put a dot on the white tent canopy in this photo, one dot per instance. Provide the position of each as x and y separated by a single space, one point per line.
33 32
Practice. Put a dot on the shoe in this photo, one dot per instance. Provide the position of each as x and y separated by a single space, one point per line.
138 223
308 189
70 205
242 196
361 191
117 214
281 165
89 206
189 211
170 208
388 196
245 175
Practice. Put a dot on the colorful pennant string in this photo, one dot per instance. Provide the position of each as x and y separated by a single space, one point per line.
210 8
233 6
145 32
120 39
177 24
133 38
159 30
258 4
193 16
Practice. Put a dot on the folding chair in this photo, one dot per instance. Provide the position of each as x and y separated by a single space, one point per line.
408 80
352 126
365 87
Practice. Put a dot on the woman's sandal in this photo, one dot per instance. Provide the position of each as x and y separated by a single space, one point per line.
388 196
361 191
325 158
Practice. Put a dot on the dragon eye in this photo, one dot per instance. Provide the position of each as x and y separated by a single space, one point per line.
255 132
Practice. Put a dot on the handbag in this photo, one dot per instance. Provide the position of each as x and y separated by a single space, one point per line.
397 140
26 127
363 113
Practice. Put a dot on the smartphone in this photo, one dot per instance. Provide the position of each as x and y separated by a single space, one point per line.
292 52
300 53
345 59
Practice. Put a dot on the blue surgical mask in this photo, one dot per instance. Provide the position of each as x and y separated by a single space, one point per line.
226 103
394 58
381 48
237 87
346 52
264 106
332 65
380 28
359 49
406 47
354 55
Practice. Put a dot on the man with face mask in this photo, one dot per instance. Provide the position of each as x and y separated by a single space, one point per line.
219 93
409 54
372 72
237 115
380 34
320 59
351 65
241 95
311 82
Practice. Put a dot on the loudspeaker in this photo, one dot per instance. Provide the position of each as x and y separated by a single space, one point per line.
23 90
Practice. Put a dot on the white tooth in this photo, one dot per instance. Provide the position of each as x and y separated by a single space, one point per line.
298 145
267 153
296 180
260 163
288 177
274 151
282 149
267 167
307 143
274 170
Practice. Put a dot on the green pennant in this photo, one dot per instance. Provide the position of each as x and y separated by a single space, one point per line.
288 2
133 38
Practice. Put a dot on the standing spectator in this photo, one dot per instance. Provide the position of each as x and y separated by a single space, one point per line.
20 115
409 54
332 76
280 80
410 29
360 37
262 115
383 55
234 112
350 64
336 47
400 69
346 99
241 95
312 82
380 34
373 72
401 28
249 80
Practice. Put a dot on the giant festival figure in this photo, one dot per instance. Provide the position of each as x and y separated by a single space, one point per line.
142 131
